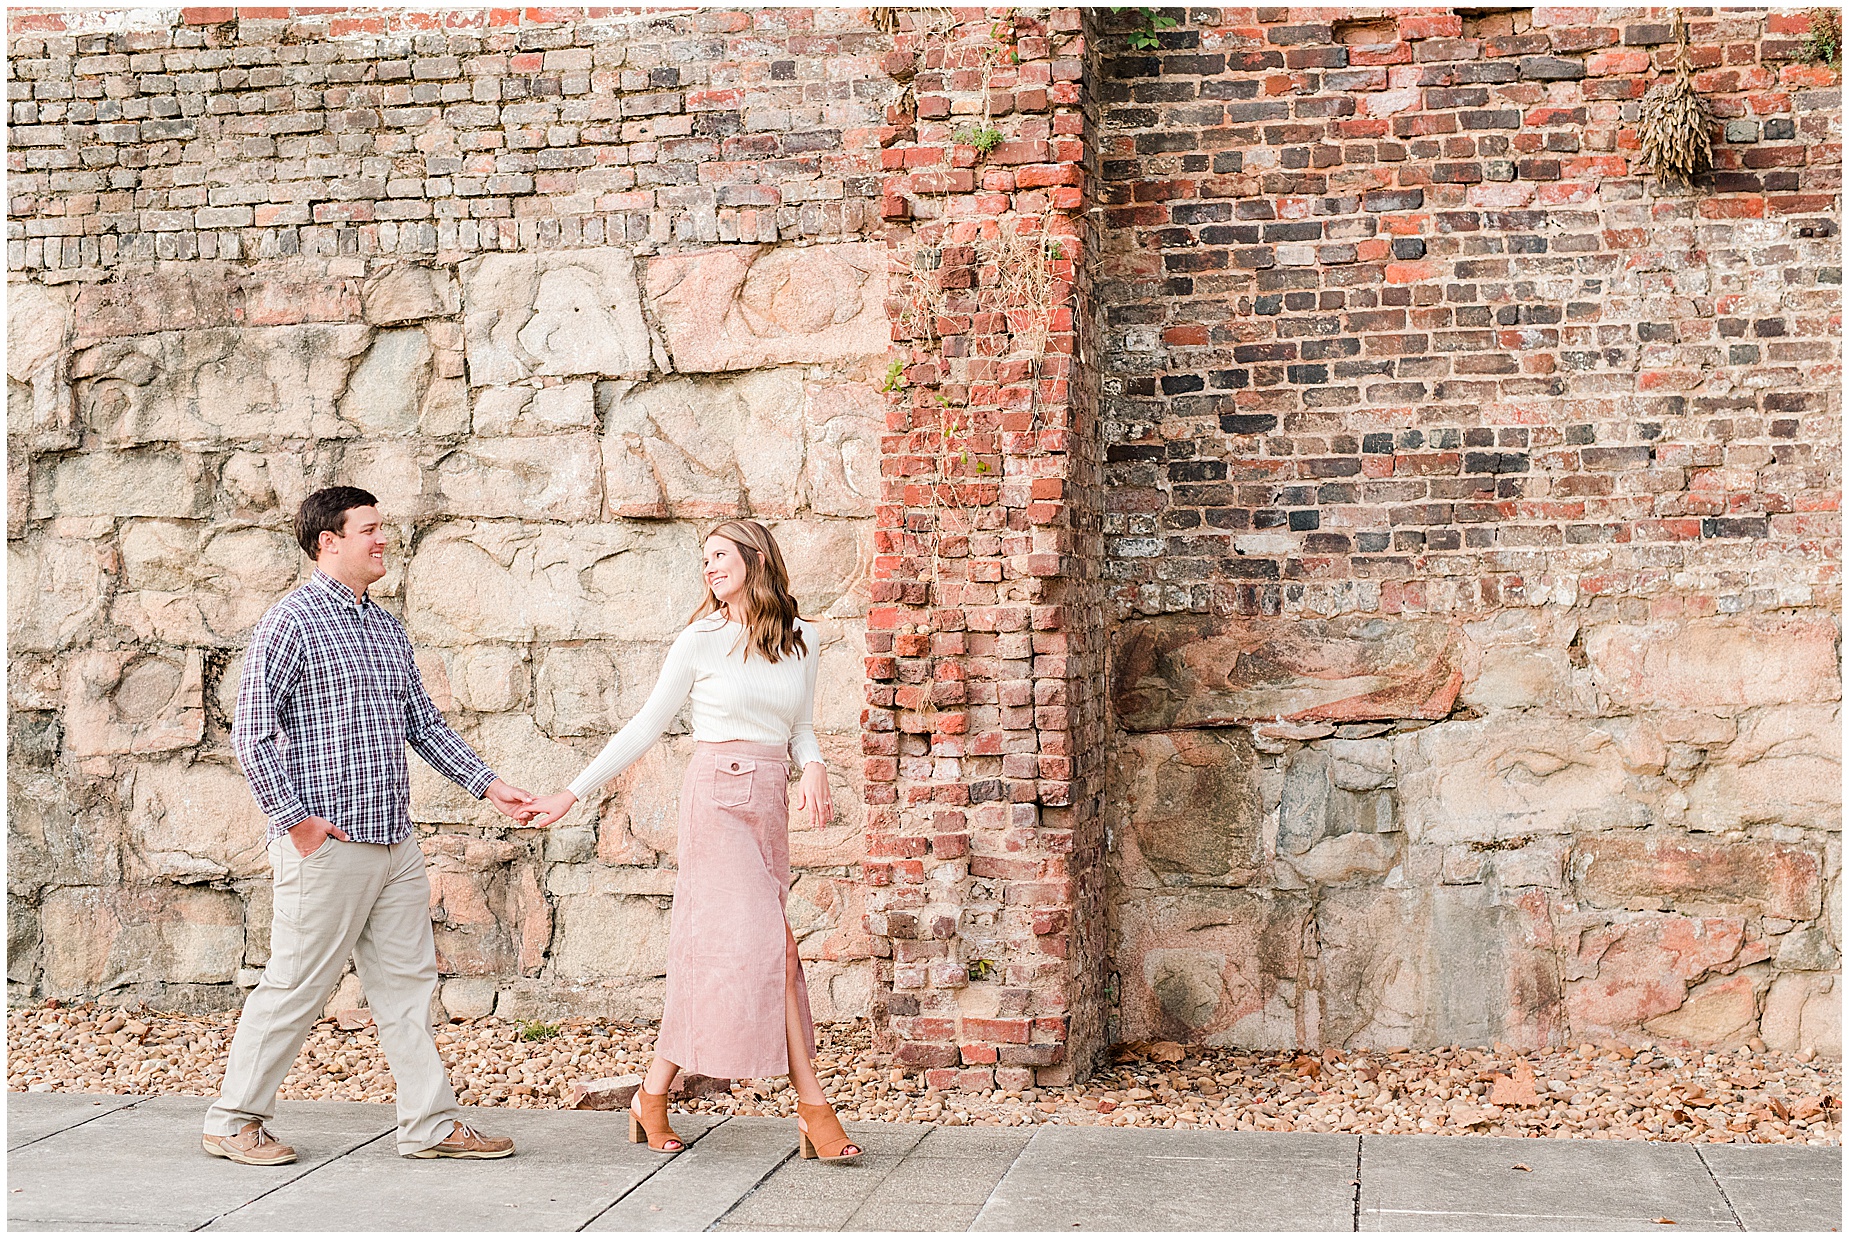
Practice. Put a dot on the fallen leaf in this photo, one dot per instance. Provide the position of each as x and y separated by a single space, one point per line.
1519 1166
1129 1051
1519 1091
1663 1221
1166 1052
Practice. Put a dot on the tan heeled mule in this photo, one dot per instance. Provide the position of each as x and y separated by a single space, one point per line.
651 1125
820 1135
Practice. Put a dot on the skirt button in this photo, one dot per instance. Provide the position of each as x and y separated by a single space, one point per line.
734 765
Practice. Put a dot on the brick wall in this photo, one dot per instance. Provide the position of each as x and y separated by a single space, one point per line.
254 133
1397 327
1429 422
1341 558
985 672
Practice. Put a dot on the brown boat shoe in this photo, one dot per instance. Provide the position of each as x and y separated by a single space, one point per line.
465 1141
252 1146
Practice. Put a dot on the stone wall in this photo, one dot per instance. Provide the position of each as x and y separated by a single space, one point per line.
1473 535
562 290
1312 547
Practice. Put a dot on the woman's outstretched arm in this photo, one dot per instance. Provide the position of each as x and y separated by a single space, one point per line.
670 691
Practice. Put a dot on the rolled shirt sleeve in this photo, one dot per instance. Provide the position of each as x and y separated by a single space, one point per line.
436 742
803 747
272 669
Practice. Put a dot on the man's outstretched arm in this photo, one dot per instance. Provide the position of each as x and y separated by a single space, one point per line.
450 755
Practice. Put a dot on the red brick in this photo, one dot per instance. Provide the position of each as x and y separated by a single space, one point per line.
1016 1031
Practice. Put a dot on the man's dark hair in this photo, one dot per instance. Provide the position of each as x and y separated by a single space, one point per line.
326 511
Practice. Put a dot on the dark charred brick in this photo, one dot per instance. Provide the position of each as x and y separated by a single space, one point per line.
1247 423
1285 36
1495 462
1735 527
1552 69
1393 199
1614 457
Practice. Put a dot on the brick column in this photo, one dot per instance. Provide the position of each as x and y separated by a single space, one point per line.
983 723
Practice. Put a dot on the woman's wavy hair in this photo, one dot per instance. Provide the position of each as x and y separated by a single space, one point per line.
770 609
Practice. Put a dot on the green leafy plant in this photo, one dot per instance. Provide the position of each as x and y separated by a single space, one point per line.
1143 38
1823 43
984 137
895 377
983 969
534 1030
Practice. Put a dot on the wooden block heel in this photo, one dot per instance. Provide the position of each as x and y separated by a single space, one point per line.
823 1138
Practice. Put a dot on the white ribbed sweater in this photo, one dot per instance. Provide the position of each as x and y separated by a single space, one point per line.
734 698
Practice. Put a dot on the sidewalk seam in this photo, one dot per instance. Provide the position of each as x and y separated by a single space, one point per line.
1012 1163
1360 1143
306 1171
26 1144
747 1193
1716 1180
660 1165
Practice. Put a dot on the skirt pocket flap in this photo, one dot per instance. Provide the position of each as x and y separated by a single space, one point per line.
732 781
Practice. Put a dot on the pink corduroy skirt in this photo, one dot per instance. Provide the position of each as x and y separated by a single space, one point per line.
726 936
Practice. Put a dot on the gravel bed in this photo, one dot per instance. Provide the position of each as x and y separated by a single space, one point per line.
1599 1092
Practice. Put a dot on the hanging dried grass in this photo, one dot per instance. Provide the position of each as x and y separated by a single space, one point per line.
1673 132
1673 127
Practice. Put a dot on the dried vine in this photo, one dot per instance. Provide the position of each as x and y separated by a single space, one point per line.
1006 270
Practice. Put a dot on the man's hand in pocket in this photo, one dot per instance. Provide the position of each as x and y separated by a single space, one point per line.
310 833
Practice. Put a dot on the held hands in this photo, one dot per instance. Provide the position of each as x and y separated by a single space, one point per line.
307 835
813 795
510 800
548 809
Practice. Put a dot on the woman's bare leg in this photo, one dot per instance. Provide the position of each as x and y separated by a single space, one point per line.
802 1070
660 1075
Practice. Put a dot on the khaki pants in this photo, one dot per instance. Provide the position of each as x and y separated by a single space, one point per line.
370 902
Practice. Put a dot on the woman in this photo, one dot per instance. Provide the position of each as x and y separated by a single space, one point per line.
737 1003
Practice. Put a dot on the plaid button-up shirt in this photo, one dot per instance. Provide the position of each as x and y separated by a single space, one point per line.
330 697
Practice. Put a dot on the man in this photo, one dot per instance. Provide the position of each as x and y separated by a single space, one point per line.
330 697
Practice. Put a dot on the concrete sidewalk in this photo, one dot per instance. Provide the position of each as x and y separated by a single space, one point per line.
123 1163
